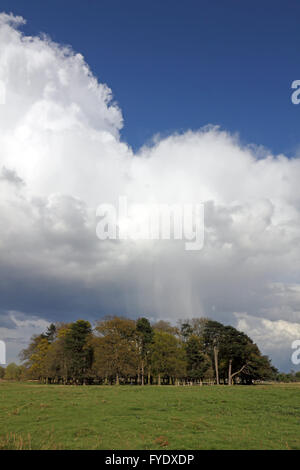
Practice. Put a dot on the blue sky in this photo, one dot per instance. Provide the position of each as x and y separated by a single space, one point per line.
176 65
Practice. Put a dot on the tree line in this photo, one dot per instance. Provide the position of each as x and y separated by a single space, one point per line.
120 350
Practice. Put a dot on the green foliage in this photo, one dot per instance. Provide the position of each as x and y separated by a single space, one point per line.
121 350
167 355
79 353
116 349
145 334
198 363
237 348
14 372
290 377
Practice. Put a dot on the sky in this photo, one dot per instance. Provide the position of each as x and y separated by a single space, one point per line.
158 101
224 63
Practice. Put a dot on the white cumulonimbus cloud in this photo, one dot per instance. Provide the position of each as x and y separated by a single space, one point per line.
61 156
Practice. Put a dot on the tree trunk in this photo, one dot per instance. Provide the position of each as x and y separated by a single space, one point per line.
159 380
117 379
229 372
142 368
216 352
149 377
230 375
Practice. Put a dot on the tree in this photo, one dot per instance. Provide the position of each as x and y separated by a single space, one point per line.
57 355
116 349
35 357
121 349
2 372
13 372
167 356
258 368
236 348
213 338
234 354
198 362
78 350
242 357
145 335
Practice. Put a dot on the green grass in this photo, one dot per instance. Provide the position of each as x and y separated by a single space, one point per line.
36 416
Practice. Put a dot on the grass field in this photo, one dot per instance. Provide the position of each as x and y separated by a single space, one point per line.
36 416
